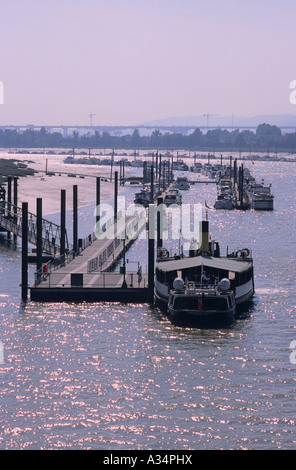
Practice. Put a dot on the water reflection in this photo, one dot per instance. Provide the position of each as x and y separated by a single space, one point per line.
114 376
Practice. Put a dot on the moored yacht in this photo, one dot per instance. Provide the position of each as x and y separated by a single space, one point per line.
261 197
180 165
172 197
143 197
182 183
224 202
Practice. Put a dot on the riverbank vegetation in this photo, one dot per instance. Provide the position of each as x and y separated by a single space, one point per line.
266 138
14 168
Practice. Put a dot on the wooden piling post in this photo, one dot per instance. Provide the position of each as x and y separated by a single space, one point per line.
151 184
39 237
144 172
9 202
242 186
151 248
115 193
24 283
111 170
75 218
15 204
159 173
9 190
159 223
98 198
235 170
63 225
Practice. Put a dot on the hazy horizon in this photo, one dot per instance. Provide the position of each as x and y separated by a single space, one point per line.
130 62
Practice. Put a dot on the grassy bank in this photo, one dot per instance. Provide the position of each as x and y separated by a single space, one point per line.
13 168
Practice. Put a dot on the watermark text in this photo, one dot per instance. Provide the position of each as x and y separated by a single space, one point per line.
174 221
1 353
293 93
293 353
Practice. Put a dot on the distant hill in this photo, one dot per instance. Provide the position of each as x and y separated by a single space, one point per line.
280 120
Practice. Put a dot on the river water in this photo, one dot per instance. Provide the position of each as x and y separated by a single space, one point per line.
117 377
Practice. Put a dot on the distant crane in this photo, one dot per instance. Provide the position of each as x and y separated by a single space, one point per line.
91 116
208 117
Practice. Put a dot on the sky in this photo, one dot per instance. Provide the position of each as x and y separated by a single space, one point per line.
134 61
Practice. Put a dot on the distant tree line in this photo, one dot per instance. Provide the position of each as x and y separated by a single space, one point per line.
266 138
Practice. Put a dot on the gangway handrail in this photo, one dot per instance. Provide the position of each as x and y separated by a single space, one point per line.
11 220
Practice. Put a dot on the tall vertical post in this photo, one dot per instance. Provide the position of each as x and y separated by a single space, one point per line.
123 173
15 204
151 248
9 190
111 171
75 218
39 237
98 198
98 202
235 170
9 201
15 191
159 222
239 184
24 251
115 193
159 173
63 225
120 173
144 172
242 186
151 183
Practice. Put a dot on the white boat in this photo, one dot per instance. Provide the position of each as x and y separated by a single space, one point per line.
86 160
143 198
225 198
261 197
180 165
182 183
196 168
237 267
202 302
207 169
224 202
173 197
